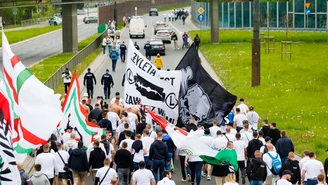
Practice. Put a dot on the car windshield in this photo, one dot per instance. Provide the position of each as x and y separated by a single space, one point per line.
153 9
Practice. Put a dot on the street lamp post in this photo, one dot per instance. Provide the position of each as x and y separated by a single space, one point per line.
256 47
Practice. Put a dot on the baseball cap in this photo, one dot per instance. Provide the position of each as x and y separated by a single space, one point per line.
287 172
267 138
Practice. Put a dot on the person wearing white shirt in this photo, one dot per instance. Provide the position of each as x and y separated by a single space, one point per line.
285 179
143 176
230 136
114 119
133 118
253 118
167 179
241 148
195 163
264 148
220 142
117 97
200 130
271 178
104 44
207 139
152 134
312 168
303 161
238 119
105 174
61 158
47 162
147 141
66 136
67 76
246 134
128 140
90 147
242 106
214 128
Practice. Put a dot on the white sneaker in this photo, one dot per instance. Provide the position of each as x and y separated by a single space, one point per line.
203 174
183 180
208 178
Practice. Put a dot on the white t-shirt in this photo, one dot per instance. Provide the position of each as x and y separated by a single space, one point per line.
114 119
213 130
143 176
231 137
239 118
66 136
243 108
207 140
129 142
146 142
220 142
104 42
312 168
262 139
133 118
194 158
199 132
101 173
230 183
166 181
267 159
283 182
48 163
67 80
59 162
240 146
246 136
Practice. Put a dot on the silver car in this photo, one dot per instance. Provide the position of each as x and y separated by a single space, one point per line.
164 35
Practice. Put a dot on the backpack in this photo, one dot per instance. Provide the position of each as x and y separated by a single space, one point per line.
113 55
265 149
276 164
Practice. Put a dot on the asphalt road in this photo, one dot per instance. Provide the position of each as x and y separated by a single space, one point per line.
34 50
170 60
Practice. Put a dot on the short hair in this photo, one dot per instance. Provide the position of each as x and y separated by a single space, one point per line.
96 143
126 125
84 101
238 135
124 144
125 114
311 154
321 177
265 121
59 145
160 134
37 167
103 137
306 152
257 153
145 131
72 135
291 155
166 172
104 113
138 136
46 147
237 109
255 134
128 133
245 122
106 161
261 133
273 124
215 121
117 93
283 133
241 99
218 132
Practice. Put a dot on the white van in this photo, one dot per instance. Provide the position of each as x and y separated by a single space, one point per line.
137 27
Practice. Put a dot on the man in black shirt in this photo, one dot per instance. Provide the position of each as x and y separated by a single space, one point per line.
136 46
122 51
123 160
108 82
88 80
147 48
94 114
174 37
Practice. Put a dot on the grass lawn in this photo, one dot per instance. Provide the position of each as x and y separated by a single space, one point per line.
20 35
292 93
49 66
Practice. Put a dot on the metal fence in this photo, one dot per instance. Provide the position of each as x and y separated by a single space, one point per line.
29 22
55 80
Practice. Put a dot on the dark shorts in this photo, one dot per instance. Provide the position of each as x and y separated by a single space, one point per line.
63 175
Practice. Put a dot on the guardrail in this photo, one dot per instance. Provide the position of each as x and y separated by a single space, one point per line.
55 80
29 22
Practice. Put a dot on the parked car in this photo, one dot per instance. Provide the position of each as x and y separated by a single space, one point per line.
160 26
164 35
157 46
153 12
90 19
55 21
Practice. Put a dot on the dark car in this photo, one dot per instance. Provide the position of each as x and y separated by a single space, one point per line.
157 46
153 12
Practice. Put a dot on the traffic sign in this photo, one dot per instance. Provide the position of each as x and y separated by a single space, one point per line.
307 12
200 17
307 5
201 10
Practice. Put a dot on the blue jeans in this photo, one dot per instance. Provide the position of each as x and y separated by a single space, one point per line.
158 165
196 171
148 163
114 65
168 166
311 182
109 48
104 49
256 182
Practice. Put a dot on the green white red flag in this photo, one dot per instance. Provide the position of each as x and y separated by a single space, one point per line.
36 109
76 117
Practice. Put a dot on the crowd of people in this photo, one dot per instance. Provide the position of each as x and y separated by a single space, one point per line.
136 151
